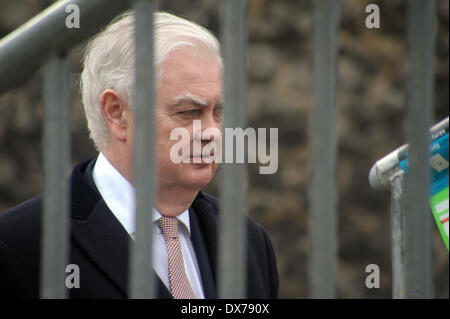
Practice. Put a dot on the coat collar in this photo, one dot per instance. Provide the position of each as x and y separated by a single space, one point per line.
206 217
96 230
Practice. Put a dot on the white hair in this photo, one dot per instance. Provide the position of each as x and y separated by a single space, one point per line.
109 61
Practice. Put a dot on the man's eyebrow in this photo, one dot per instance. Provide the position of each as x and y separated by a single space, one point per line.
187 99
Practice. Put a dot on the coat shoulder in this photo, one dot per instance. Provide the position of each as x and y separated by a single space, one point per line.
22 219
20 249
29 210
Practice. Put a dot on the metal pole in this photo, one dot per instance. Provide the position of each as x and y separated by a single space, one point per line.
398 187
322 196
418 254
26 49
141 274
56 153
232 241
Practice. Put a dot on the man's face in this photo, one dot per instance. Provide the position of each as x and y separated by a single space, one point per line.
190 88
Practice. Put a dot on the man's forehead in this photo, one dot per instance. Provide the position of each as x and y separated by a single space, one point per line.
190 63
190 77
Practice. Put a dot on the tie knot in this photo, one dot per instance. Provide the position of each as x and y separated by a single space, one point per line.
169 227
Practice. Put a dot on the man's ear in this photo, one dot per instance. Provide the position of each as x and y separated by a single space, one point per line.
116 114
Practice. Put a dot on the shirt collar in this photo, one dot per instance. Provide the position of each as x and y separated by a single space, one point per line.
119 195
183 218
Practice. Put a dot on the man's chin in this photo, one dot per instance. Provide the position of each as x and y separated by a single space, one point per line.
200 174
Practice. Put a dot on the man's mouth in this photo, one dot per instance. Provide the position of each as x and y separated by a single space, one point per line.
208 159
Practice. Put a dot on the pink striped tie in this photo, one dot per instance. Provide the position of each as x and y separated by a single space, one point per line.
180 287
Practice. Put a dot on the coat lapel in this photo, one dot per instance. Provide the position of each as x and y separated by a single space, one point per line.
96 230
97 235
203 259
205 226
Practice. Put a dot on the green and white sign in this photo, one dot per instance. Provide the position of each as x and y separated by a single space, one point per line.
439 206
439 164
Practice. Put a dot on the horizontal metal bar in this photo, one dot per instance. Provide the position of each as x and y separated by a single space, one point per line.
56 152
26 49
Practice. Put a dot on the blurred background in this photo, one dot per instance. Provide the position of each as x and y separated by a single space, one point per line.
371 116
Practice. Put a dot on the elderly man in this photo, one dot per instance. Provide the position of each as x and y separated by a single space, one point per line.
189 87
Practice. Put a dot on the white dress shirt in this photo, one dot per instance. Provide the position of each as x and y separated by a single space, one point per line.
119 196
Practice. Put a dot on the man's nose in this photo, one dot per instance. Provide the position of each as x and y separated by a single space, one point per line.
211 127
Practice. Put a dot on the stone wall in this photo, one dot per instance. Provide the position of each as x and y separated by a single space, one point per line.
371 116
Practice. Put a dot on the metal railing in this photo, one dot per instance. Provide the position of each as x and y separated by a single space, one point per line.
232 257
418 248
411 246
141 275
44 41
322 222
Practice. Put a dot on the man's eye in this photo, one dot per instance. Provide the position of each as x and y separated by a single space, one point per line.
190 112
219 110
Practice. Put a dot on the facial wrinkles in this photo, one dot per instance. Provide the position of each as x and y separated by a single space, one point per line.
188 83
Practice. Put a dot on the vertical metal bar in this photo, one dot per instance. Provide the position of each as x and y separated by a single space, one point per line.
322 196
232 240
56 154
418 254
398 188
141 274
